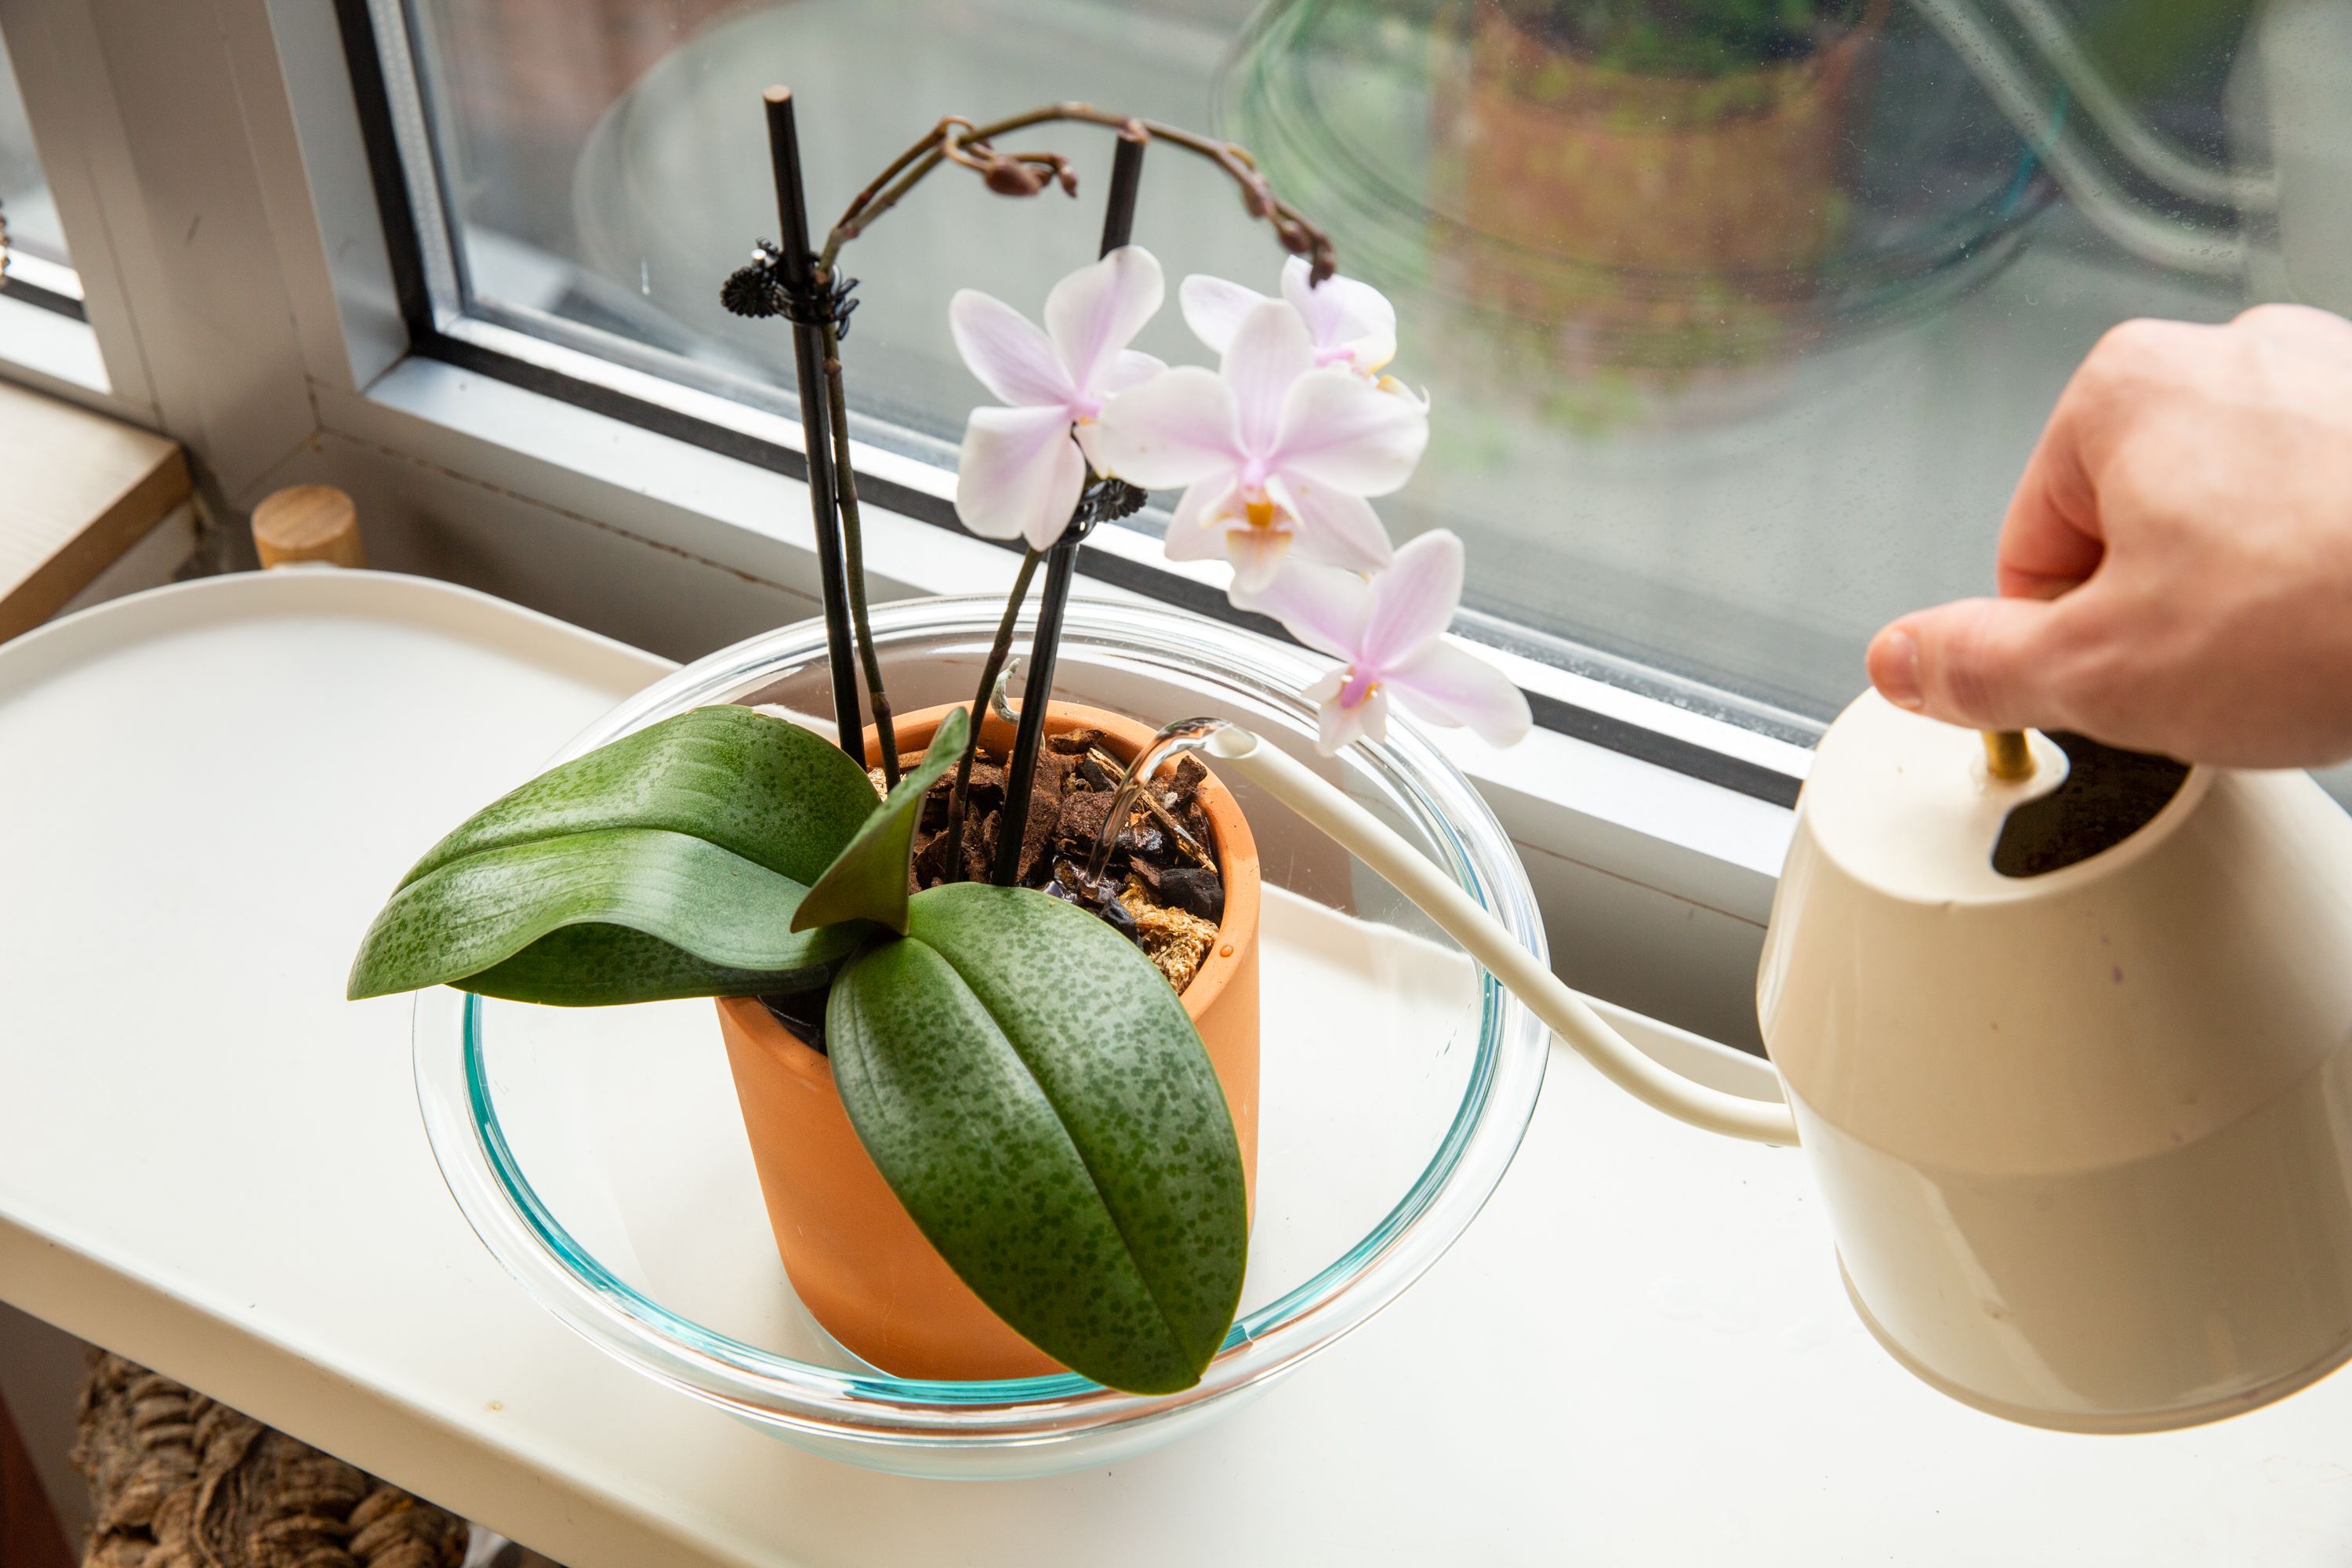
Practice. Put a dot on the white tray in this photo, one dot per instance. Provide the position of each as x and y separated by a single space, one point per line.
212 1163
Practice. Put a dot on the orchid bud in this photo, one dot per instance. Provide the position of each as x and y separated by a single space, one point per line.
1011 177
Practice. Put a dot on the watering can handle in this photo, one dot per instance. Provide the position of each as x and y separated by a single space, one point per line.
1568 1015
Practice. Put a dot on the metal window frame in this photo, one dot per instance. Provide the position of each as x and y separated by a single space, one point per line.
43 285
74 340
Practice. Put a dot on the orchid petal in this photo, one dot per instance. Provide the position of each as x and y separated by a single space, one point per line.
1392 388
1084 433
1020 475
1097 311
1340 724
1257 555
1174 429
1414 600
1339 430
1447 685
1213 308
1323 607
1011 356
1130 369
1372 720
1194 533
1342 314
1334 730
1335 528
1269 351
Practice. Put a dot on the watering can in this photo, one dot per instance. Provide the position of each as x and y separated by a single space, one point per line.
2066 1034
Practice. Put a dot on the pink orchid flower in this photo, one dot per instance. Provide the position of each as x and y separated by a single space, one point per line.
1352 324
1390 634
1275 454
1024 466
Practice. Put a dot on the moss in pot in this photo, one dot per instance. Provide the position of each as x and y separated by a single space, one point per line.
1028 1140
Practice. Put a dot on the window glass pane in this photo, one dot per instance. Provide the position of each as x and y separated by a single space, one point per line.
25 201
1740 316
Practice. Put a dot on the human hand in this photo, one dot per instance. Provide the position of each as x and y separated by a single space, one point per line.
2176 566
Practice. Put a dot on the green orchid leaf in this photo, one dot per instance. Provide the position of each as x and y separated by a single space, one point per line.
868 879
1036 1095
669 863
619 914
763 787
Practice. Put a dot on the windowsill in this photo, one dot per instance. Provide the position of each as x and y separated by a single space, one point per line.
1698 862
86 490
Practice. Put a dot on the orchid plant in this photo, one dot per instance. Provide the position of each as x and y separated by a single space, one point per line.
729 852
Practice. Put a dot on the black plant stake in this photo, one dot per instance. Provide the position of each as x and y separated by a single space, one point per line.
811 308
1061 565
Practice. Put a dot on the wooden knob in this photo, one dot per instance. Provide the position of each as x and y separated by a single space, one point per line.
308 522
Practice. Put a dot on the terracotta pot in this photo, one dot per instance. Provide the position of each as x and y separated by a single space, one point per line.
855 1256
1653 207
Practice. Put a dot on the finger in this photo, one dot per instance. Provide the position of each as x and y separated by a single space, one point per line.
1982 662
2050 540
2305 328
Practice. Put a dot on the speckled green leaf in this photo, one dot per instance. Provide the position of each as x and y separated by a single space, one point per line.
1036 1095
669 863
868 879
624 914
770 791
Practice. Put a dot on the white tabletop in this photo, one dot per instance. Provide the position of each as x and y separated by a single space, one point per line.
210 1162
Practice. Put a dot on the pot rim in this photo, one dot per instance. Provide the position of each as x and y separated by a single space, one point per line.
1463 833
1236 846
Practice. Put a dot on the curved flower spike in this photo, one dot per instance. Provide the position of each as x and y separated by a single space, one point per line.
1390 634
1274 453
1352 324
1024 466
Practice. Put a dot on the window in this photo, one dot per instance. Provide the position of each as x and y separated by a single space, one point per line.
1740 320
39 270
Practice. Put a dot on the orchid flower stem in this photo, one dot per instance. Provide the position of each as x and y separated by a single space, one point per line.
1061 565
852 549
997 653
957 139
1036 691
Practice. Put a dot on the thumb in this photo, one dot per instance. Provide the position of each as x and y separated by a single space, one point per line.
1980 662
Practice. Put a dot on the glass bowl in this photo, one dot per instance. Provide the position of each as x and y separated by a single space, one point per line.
600 1156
